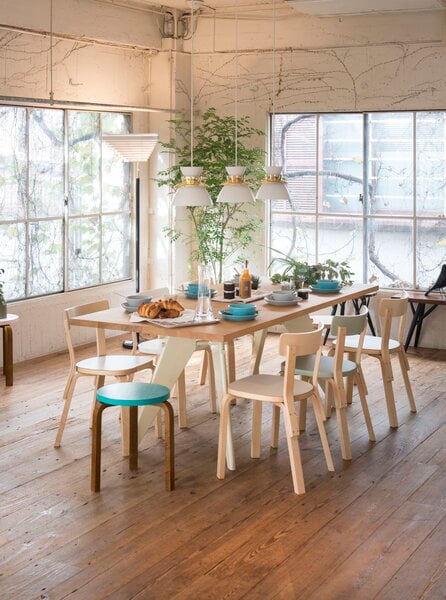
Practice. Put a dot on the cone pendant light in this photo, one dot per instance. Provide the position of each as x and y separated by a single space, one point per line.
191 191
235 190
273 186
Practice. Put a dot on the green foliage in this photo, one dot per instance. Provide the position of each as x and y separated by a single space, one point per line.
295 270
221 230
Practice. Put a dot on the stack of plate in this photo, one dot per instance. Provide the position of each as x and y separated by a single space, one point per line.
323 290
230 316
270 300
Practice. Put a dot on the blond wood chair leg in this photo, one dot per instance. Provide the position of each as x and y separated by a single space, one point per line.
405 372
222 436
386 370
302 415
319 414
95 480
133 437
159 426
169 453
349 383
125 426
275 423
361 373
294 453
340 405
328 399
68 396
203 369
212 385
364 405
256 433
182 412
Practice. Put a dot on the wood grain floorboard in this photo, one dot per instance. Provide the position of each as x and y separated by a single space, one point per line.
376 528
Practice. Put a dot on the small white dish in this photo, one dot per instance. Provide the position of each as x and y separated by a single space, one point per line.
270 300
128 308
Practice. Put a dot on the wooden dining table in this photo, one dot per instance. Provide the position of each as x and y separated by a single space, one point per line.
181 341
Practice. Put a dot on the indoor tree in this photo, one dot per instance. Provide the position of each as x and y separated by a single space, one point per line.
222 230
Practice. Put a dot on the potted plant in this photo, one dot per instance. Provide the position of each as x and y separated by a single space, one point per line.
295 271
221 230
338 273
3 305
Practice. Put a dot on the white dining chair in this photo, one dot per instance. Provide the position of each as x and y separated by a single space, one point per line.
392 313
332 371
281 392
121 366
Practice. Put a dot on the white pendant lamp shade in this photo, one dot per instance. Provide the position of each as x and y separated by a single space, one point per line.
273 186
191 191
132 147
235 190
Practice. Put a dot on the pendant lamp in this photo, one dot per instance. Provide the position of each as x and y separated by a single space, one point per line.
191 191
235 190
273 186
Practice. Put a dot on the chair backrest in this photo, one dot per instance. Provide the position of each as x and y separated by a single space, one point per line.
293 345
78 311
342 326
390 309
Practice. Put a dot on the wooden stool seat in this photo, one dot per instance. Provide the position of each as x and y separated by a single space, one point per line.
132 395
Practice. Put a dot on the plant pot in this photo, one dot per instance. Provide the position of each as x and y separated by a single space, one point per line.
3 310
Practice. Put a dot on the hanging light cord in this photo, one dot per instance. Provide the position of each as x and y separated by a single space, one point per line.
274 82
192 85
236 85
51 53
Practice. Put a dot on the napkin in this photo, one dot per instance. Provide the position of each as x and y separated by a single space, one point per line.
186 318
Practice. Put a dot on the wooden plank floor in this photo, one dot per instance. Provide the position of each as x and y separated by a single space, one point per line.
376 528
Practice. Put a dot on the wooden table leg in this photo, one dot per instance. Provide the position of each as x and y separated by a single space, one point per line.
7 354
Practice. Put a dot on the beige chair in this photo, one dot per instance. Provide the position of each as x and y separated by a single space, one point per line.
154 347
332 371
121 366
282 392
392 312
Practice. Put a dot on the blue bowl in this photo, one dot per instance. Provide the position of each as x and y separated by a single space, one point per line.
242 309
328 284
192 287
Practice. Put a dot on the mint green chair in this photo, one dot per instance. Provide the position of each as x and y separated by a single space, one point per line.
332 371
132 395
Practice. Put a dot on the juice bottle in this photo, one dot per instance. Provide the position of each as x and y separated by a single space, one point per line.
245 282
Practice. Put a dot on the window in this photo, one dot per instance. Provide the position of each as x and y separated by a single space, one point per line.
64 201
366 188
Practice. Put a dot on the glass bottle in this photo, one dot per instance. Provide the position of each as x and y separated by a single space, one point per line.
245 283
203 311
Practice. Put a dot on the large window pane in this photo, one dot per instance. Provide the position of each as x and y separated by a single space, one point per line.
390 252
115 247
84 251
13 259
431 251
431 164
293 236
46 258
341 163
83 163
295 139
342 240
46 163
390 167
13 182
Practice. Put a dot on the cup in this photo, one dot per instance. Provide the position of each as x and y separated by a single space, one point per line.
242 309
134 300
328 284
303 294
229 290
283 295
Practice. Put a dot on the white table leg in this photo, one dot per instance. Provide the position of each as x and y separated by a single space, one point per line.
221 385
169 367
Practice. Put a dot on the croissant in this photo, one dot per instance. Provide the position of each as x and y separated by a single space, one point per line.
161 309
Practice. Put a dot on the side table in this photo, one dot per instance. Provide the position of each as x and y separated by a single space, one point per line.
5 324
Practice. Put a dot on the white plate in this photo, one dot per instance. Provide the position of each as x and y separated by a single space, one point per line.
282 302
128 308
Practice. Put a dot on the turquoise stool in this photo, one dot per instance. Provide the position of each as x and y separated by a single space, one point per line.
132 394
